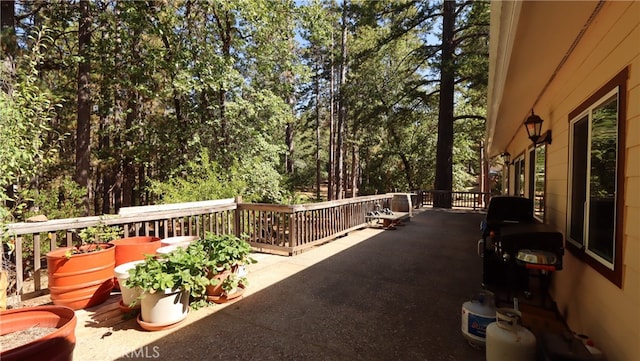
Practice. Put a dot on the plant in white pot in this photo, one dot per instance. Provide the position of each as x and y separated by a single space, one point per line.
130 296
167 281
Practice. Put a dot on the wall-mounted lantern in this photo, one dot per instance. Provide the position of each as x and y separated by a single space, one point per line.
533 124
506 157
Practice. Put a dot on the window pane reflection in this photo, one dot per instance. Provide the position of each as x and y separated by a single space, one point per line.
602 180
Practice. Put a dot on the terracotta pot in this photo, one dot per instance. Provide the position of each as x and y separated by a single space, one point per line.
55 346
82 280
227 297
134 248
131 249
214 291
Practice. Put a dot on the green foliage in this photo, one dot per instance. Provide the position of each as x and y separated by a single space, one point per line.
203 179
171 79
232 281
180 269
224 251
101 233
25 114
190 268
61 199
92 239
200 179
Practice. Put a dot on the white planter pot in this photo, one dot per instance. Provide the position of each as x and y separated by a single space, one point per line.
169 241
165 308
129 295
171 248
241 271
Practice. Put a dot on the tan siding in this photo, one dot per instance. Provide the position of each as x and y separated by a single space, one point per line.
633 166
591 303
633 126
632 262
632 256
632 228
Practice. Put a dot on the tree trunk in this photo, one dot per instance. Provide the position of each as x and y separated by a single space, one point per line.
8 42
117 180
177 104
342 108
107 177
128 170
444 148
83 128
317 90
290 130
133 112
225 31
331 170
355 173
138 197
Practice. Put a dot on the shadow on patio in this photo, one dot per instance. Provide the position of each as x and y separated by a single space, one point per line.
375 295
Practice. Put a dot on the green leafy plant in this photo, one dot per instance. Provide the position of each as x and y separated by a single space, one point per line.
201 179
179 269
61 199
92 237
225 251
232 282
101 233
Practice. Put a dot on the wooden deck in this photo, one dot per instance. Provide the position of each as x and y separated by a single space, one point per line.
371 295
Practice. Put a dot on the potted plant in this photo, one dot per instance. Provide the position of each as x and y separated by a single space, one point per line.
225 287
166 282
227 257
82 276
36 333
130 296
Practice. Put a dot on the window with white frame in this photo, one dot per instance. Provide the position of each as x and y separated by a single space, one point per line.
596 132
518 167
538 156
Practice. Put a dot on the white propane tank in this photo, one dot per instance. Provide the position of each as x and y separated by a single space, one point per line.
477 314
508 340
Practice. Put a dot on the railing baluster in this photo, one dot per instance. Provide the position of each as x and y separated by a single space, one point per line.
19 266
36 261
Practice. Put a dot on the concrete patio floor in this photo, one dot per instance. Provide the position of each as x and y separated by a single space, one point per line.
372 295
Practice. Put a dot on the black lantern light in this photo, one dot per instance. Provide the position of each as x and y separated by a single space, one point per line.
533 124
506 157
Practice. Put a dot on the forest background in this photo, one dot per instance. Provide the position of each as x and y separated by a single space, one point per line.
107 104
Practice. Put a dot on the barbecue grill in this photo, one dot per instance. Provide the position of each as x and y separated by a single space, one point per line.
515 246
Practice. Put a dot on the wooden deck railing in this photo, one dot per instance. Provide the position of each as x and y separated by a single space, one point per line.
473 200
292 229
280 229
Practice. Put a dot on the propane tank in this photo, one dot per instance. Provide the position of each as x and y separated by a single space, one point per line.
508 340
477 314
590 345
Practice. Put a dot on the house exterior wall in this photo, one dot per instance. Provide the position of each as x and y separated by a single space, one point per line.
591 303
